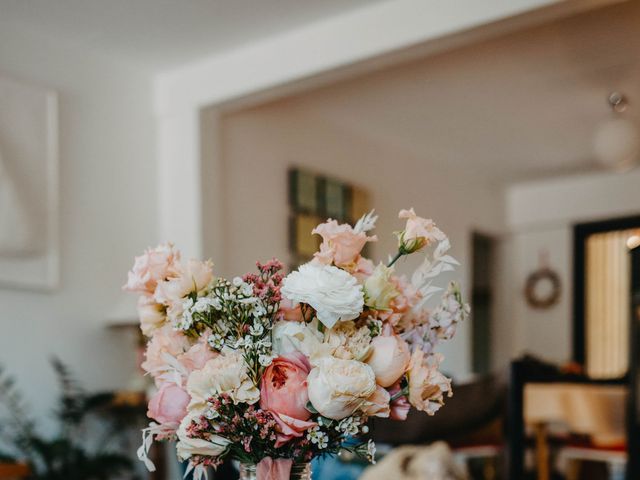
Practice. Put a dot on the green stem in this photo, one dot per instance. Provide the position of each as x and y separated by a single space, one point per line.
395 259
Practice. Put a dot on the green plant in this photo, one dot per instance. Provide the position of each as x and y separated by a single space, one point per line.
65 456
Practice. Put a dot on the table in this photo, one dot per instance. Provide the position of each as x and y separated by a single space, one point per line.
590 409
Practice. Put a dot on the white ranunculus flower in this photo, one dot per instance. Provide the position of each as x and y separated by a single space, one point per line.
338 387
227 373
333 293
187 446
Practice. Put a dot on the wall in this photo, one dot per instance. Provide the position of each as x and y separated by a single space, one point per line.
108 214
540 216
259 145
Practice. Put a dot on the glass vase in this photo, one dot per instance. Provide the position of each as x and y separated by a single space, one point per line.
299 471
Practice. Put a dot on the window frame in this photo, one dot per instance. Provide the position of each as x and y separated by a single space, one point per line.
580 233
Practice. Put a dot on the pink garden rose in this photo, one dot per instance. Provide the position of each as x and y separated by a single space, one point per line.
169 404
284 394
155 265
289 428
400 406
341 245
418 232
284 386
389 358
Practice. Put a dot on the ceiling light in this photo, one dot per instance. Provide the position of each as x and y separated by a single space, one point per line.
616 140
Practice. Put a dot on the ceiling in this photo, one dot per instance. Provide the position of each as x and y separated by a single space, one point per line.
523 106
161 34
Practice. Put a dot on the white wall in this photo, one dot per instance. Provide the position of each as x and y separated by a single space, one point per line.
108 214
260 144
541 216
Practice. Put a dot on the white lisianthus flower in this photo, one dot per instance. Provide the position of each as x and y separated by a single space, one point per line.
418 232
378 289
338 387
289 337
333 293
152 315
227 373
186 447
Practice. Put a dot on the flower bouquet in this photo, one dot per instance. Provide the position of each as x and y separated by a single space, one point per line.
273 370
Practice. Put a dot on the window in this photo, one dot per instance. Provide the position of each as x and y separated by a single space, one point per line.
602 295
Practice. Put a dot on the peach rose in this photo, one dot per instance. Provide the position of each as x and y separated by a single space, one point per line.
169 404
284 386
340 243
427 386
155 265
418 232
389 358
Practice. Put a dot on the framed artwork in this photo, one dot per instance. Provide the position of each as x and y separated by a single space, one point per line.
312 199
29 246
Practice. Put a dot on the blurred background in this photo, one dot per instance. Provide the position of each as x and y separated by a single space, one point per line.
232 127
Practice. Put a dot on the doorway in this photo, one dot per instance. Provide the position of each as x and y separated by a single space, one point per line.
483 255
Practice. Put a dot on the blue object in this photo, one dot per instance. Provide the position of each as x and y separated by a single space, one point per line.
332 468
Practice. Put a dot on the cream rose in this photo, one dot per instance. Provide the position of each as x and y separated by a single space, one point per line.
337 387
227 373
379 290
333 293
389 359
186 447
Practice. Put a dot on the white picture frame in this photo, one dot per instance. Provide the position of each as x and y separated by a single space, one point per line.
29 152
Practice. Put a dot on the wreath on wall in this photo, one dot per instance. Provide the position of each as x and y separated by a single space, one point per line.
543 286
